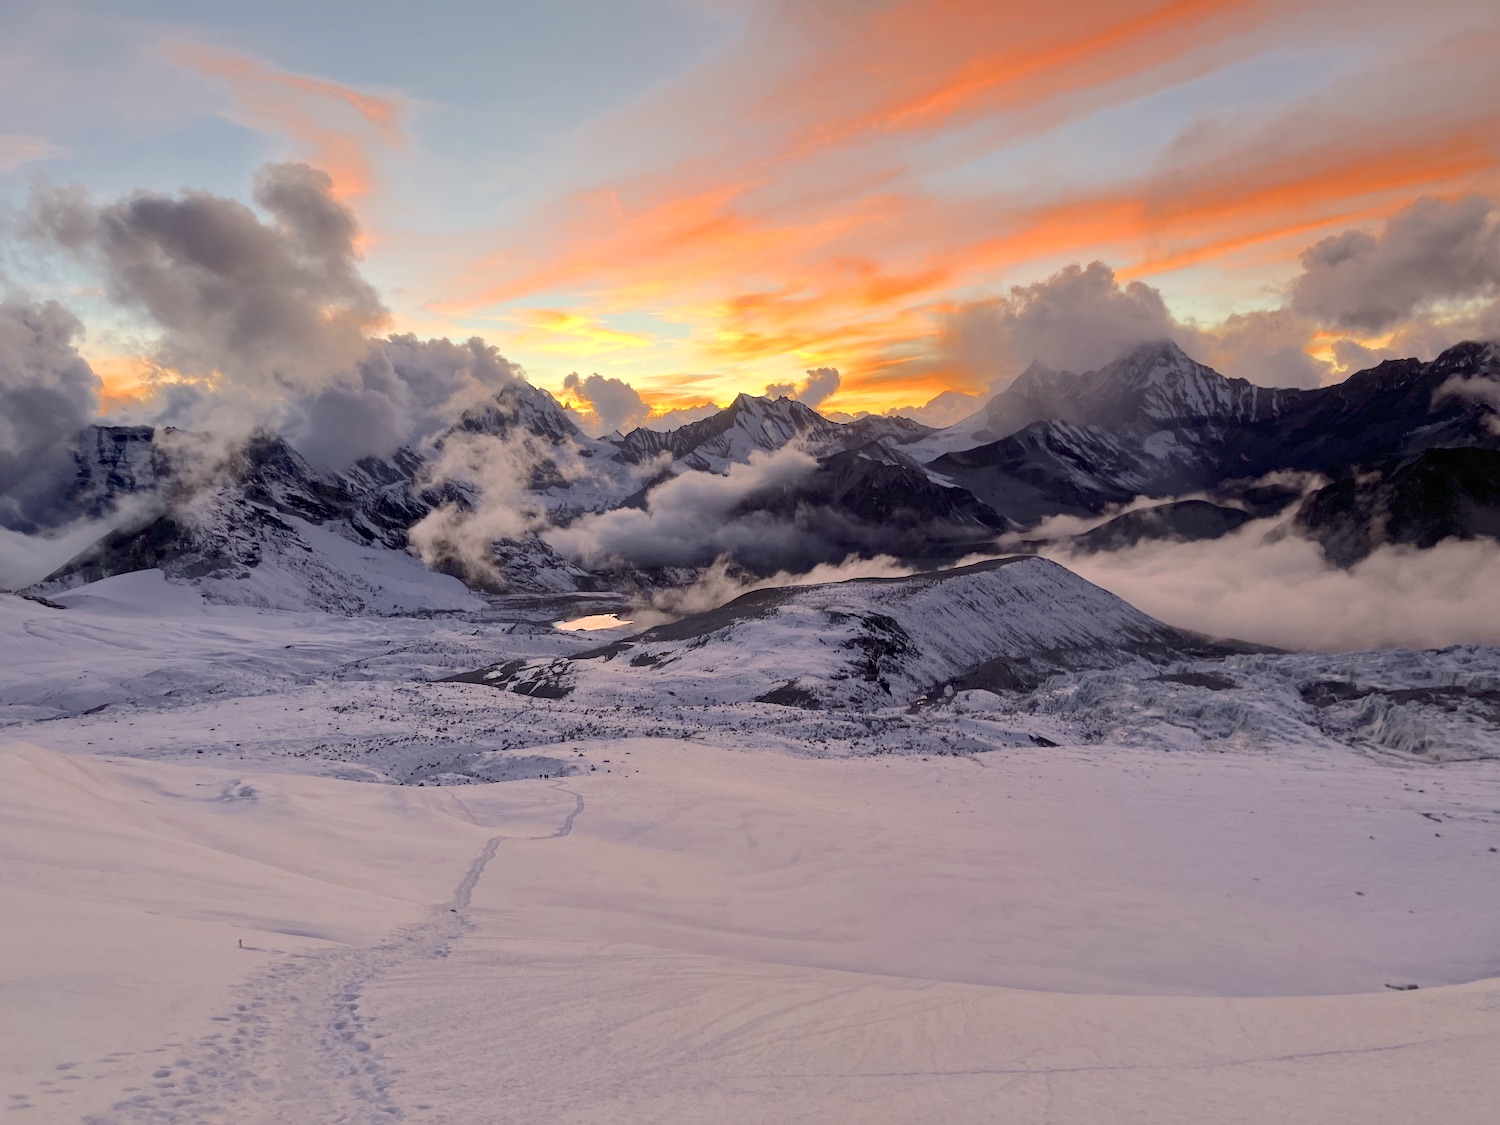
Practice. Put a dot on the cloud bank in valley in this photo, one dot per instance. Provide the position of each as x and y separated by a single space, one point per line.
691 519
1277 589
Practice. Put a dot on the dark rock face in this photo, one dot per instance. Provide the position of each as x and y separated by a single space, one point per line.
876 501
1438 494
1394 411
1185 521
1390 412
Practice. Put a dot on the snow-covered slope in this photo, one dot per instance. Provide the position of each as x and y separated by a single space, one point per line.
269 530
1007 623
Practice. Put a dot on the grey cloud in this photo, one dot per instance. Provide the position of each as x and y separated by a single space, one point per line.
816 389
1266 347
1485 392
614 403
269 315
402 390
48 393
1078 319
262 303
1435 250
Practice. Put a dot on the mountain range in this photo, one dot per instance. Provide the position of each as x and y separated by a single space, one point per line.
1401 453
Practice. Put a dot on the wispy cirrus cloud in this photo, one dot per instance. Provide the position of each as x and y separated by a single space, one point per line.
331 125
16 150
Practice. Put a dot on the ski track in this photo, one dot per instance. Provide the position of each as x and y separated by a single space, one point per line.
296 1049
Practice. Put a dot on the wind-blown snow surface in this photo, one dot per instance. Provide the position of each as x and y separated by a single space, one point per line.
733 912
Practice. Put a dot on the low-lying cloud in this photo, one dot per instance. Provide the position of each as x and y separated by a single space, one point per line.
722 581
1275 589
691 520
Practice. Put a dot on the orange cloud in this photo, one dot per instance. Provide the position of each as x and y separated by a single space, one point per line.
313 113
799 223
571 333
126 380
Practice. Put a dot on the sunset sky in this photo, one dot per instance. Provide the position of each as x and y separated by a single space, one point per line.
700 197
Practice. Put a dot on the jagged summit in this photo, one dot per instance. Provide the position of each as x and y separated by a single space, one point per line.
747 424
520 406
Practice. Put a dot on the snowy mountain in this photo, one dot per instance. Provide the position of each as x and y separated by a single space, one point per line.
1153 424
272 531
520 408
730 436
874 500
1153 383
1049 468
1007 624
1394 411
751 423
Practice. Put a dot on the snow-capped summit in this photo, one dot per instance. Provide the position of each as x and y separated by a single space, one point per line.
748 424
1160 382
520 406
1153 382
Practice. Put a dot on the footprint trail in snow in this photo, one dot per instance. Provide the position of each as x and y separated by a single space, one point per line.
296 1048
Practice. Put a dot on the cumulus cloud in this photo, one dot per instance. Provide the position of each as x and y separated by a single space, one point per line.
819 386
1428 278
1266 347
1079 319
48 393
1278 590
1432 251
691 520
259 301
400 391
611 404
263 319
